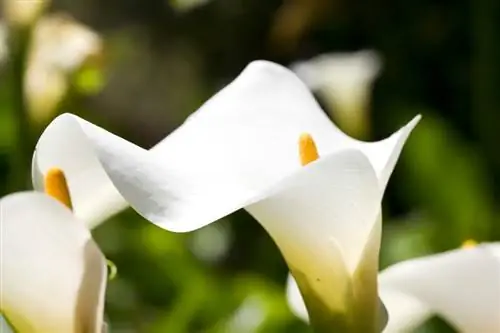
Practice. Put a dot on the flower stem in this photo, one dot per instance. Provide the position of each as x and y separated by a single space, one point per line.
19 41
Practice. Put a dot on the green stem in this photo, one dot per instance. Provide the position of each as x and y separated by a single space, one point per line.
19 42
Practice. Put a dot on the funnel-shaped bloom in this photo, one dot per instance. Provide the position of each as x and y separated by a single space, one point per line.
237 145
53 275
240 151
461 286
345 82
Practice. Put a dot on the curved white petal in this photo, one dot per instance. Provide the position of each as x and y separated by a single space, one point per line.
239 143
406 313
462 286
320 218
53 275
367 303
363 284
295 300
335 199
63 145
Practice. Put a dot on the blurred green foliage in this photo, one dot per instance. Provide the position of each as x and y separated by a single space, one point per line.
440 60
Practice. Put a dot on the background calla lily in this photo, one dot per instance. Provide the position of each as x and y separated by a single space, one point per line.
461 286
23 12
60 46
53 274
237 145
344 80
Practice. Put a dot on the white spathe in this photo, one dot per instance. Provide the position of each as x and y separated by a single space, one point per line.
240 150
53 275
405 312
23 12
462 286
226 156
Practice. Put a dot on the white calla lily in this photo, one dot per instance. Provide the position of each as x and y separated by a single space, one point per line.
222 158
4 48
53 275
239 151
406 313
23 12
60 46
344 80
462 286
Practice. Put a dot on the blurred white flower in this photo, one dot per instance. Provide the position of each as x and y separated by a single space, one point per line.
211 243
53 274
4 49
345 82
240 151
461 286
59 47
187 5
249 316
23 12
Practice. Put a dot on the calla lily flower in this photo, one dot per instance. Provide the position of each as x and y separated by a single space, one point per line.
60 46
462 286
345 82
184 6
240 151
53 275
23 12
4 49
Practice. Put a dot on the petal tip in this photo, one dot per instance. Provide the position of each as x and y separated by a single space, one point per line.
405 131
411 125
267 68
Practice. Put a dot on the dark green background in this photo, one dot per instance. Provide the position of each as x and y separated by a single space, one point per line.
441 59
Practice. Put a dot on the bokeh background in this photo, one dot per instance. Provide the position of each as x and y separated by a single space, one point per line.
149 63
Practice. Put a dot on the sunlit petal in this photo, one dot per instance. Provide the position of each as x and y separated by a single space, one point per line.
53 274
406 313
335 198
229 152
367 304
295 300
321 218
462 286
